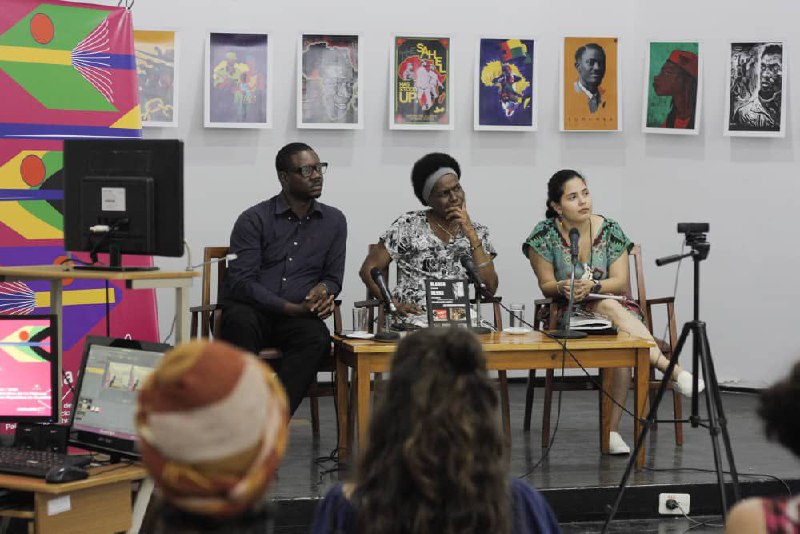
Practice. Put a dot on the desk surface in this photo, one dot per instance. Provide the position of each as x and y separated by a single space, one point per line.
503 342
98 476
56 272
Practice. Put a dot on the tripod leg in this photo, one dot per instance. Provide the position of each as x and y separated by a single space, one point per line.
651 416
722 422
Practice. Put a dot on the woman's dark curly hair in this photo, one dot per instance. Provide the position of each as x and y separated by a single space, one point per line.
778 407
425 166
435 461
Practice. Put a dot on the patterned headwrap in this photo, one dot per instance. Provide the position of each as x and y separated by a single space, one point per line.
213 423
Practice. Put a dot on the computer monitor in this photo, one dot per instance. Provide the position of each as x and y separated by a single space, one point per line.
123 196
104 410
29 369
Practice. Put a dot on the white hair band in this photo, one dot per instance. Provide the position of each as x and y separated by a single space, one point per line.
430 182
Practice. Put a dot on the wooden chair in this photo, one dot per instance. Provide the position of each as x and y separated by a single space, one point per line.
206 322
379 318
583 383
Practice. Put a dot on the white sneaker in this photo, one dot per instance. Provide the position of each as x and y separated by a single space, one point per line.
683 384
616 445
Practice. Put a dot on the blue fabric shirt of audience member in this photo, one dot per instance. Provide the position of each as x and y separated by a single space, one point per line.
530 513
607 247
281 257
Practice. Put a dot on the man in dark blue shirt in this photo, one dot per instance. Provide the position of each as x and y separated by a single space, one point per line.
290 264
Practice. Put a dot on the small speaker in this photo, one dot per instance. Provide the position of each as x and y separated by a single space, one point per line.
28 436
41 437
54 438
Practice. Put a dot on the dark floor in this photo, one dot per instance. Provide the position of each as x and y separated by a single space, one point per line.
575 471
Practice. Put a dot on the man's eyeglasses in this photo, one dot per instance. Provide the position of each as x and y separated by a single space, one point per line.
307 170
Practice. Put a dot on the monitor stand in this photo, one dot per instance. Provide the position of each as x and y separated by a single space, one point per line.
115 265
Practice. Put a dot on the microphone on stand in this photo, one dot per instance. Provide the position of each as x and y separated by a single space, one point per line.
388 306
377 277
480 287
564 332
574 240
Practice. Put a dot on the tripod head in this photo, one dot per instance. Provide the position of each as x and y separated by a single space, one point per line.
695 238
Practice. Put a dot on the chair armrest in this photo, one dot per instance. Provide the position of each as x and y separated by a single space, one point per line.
206 308
661 300
543 302
371 303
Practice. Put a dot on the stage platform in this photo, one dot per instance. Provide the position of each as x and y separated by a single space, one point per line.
576 479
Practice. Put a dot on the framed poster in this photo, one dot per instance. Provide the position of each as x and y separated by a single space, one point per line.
421 84
590 85
329 82
672 88
157 75
755 83
238 84
506 98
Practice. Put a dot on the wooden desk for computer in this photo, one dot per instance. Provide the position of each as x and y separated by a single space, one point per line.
503 351
57 274
100 503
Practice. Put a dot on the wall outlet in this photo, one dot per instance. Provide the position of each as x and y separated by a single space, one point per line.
681 498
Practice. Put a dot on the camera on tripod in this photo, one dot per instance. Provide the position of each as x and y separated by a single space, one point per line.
696 238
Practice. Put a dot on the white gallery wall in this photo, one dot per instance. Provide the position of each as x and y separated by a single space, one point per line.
747 189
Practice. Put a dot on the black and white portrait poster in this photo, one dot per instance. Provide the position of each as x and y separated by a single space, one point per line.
755 105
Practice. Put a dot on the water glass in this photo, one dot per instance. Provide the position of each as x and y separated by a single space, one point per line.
360 320
516 316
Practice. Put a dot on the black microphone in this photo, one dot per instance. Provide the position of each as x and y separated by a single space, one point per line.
472 270
574 238
377 277
564 332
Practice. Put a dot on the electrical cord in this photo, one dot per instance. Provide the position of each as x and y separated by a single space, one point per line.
695 522
704 470
591 377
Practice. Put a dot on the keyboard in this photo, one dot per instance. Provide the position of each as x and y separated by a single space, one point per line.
30 463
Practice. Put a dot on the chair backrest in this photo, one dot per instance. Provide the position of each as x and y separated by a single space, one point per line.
636 276
209 291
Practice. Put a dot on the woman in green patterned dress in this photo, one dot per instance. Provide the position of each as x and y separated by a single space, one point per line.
602 269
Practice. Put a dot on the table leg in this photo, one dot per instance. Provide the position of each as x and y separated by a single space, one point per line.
642 377
57 309
343 407
181 314
140 504
362 402
607 377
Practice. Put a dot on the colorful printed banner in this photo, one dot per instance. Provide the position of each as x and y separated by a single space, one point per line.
67 70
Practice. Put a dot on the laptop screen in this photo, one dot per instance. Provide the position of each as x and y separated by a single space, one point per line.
28 368
105 407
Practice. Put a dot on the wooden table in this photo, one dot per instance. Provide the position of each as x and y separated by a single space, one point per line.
98 504
57 274
503 351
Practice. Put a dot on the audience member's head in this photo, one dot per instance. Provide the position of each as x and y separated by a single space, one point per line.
213 424
778 406
435 461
